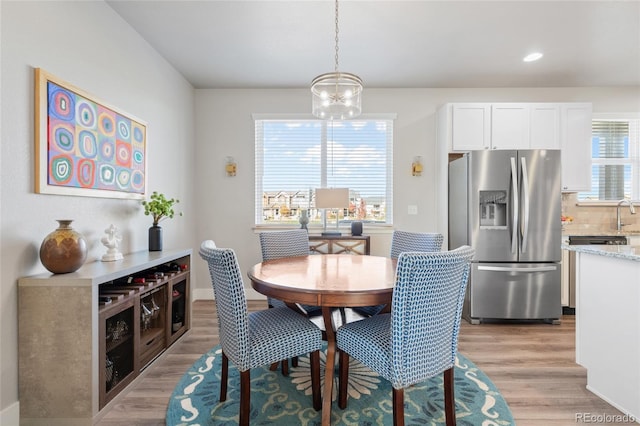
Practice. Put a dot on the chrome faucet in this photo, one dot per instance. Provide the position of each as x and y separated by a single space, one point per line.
620 203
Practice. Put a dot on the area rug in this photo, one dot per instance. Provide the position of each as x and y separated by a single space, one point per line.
280 400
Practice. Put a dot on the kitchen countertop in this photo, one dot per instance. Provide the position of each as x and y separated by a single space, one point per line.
621 252
567 232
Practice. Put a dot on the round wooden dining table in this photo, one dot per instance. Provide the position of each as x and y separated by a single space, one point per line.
329 281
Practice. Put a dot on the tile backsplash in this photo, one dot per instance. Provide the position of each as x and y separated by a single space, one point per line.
597 219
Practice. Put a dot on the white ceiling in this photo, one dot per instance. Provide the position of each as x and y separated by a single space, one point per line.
278 43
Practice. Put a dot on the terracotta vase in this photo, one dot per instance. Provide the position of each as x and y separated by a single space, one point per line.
64 250
155 238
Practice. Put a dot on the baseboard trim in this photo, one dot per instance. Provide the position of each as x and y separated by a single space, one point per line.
207 294
10 416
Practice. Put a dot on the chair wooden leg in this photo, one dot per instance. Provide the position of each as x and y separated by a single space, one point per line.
285 367
224 377
449 398
343 380
398 407
274 366
294 361
315 380
245 397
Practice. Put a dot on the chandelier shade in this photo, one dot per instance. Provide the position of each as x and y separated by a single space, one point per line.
336 95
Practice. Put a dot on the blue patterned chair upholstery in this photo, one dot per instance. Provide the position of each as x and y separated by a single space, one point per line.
290 243
279 244
406 241
419 338
255 339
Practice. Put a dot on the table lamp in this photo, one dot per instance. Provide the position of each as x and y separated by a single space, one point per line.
332 198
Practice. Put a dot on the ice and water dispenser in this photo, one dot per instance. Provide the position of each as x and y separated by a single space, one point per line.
493 209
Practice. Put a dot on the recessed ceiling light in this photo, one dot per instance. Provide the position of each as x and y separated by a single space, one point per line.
532 57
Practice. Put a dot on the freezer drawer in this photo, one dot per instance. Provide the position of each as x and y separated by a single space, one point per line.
515 291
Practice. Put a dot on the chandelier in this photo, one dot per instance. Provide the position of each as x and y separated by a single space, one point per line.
336 95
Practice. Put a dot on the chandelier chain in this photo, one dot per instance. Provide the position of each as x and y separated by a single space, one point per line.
336 70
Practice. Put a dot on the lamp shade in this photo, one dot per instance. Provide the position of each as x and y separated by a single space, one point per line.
332 198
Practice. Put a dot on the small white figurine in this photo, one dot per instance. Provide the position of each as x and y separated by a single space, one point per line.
111 241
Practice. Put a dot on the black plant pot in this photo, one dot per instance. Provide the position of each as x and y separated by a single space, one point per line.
155 238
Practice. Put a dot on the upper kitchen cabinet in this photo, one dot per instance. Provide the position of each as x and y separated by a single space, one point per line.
470 126
525 126
510 126
476 126
545 126
575 122
567 126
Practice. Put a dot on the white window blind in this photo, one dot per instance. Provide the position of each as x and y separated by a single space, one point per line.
615 163
296 156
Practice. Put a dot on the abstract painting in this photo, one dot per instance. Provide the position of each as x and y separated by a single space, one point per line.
85 147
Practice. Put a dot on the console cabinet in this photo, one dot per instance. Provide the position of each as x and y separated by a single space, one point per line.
85 336
340 244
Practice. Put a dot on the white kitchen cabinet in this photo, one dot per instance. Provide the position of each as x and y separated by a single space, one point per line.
477 126
575 124
565 126
544 128
510 126
470 126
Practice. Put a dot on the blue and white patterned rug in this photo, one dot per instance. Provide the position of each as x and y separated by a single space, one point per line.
280 400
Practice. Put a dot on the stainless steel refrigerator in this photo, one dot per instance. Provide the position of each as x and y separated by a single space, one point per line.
506 205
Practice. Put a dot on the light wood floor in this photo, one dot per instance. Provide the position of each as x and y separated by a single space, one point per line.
533 365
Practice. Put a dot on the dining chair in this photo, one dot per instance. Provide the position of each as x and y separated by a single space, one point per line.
402 241
259 338
418 339
289 243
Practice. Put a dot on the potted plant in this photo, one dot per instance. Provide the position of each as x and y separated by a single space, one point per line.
160 208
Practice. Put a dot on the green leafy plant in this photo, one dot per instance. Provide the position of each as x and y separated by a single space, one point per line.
160 207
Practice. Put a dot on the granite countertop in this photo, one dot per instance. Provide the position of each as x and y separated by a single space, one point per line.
620 252
567 232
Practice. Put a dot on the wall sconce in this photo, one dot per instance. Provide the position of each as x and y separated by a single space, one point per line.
230 166
416 166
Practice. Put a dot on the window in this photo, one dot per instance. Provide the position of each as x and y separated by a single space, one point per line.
295 156
615 163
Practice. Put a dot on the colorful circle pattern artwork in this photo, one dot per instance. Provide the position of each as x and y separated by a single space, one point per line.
86 114
61 103
91 146
107 174
61 169
86 173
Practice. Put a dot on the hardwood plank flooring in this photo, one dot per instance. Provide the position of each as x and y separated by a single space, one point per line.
533 366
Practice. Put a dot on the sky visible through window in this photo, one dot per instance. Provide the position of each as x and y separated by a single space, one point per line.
355 156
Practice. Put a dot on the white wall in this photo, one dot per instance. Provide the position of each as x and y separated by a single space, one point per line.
224 127
88 45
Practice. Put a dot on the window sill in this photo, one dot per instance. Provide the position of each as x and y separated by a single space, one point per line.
368 229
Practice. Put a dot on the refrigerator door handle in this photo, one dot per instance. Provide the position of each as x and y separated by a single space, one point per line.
525 201
516 204
517 269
